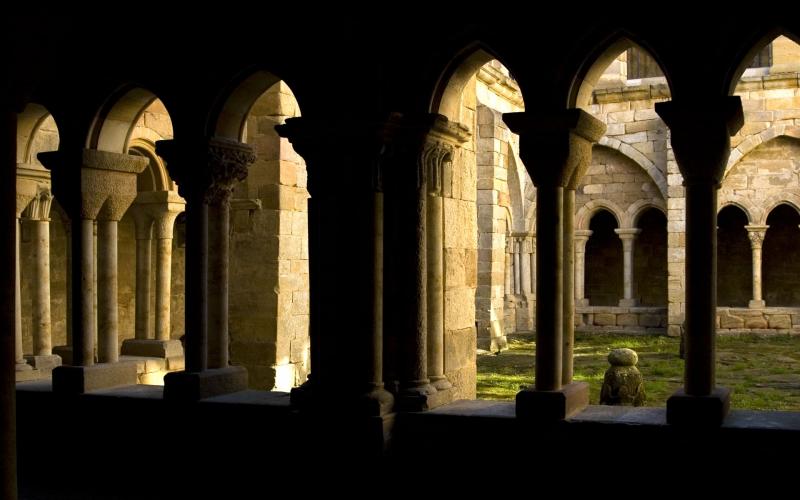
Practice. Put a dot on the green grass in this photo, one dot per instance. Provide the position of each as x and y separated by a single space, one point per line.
762 372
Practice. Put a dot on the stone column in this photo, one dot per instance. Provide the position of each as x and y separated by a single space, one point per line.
38 219
568 305
164 225
700 138
525 258
756 234
581 237
553 146
107 314
434 163
92 185
19 354
628 236
517 266
509 266
206 171
144 234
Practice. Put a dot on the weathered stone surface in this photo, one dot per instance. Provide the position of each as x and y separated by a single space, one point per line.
623 385
623 357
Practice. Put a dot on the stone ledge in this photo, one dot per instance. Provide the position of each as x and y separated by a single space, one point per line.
552 406
699 411
82 379
194 386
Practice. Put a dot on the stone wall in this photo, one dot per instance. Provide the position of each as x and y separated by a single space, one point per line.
269 296
461 257
632 320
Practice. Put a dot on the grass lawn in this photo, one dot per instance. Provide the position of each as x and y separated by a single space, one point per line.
762 372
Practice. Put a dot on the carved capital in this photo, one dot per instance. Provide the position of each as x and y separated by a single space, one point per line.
556 148
700 135
227 166
756 233
39 207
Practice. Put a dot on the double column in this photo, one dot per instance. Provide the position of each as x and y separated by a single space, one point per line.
700 137
756 234
556 148
93 185
206 170
154 214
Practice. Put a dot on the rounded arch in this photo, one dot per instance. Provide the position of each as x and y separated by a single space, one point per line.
446 98
756 140
750 210
155 175
637 157
596 62
751 46
228 118
638 208
784 199
515 195
584 216
114 123
29 123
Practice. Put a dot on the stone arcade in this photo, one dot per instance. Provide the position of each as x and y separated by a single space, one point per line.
334 218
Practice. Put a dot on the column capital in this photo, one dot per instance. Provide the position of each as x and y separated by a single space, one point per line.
556 147
756 233
39 207
627 233
31 180
227 163
583 234
700 135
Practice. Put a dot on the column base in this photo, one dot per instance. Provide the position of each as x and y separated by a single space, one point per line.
757 304
47 362
152 348
23 367
81 379
582 303
441 383
628 302
64 352
308 398
553 406
707 411
194 386
413 401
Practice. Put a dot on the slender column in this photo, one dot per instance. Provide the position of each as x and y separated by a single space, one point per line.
107 315
19 354
568 304
164 227
435 244
525 259
39 212
628 236
83 342
144 225
700 139
581 237
532 263
756 234
555 148
228 165
509 266
517 266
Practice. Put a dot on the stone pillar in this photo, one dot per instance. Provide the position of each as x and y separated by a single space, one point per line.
19 354
517 265
38 219
700 138
581 237
553 147
144 234
509 266
525 259
756 234
92 185
628 236
154 213
435 255
206 171
568 304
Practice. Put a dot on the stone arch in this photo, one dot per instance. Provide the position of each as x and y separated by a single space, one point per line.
638 208
113 126
515 195
30 124
156 171
634 155
595 64
789 199
747 51
753 213
229 115
446 98
585 213
755 140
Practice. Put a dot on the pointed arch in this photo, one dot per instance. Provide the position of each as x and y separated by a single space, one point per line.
789 199
637 157
229 114
755 140
748 50
29 125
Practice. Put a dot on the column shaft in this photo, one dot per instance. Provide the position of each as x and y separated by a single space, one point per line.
569 283
218 228
509 268
757 273
163 287
376 346
525 258
19 354
701 287
517 267
756 234
195 279
107 315
83 295
42 335
627 249
549 287
143 273
435 291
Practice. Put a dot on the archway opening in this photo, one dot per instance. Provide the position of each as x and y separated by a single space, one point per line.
650 259
781 258
603 261
734 258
